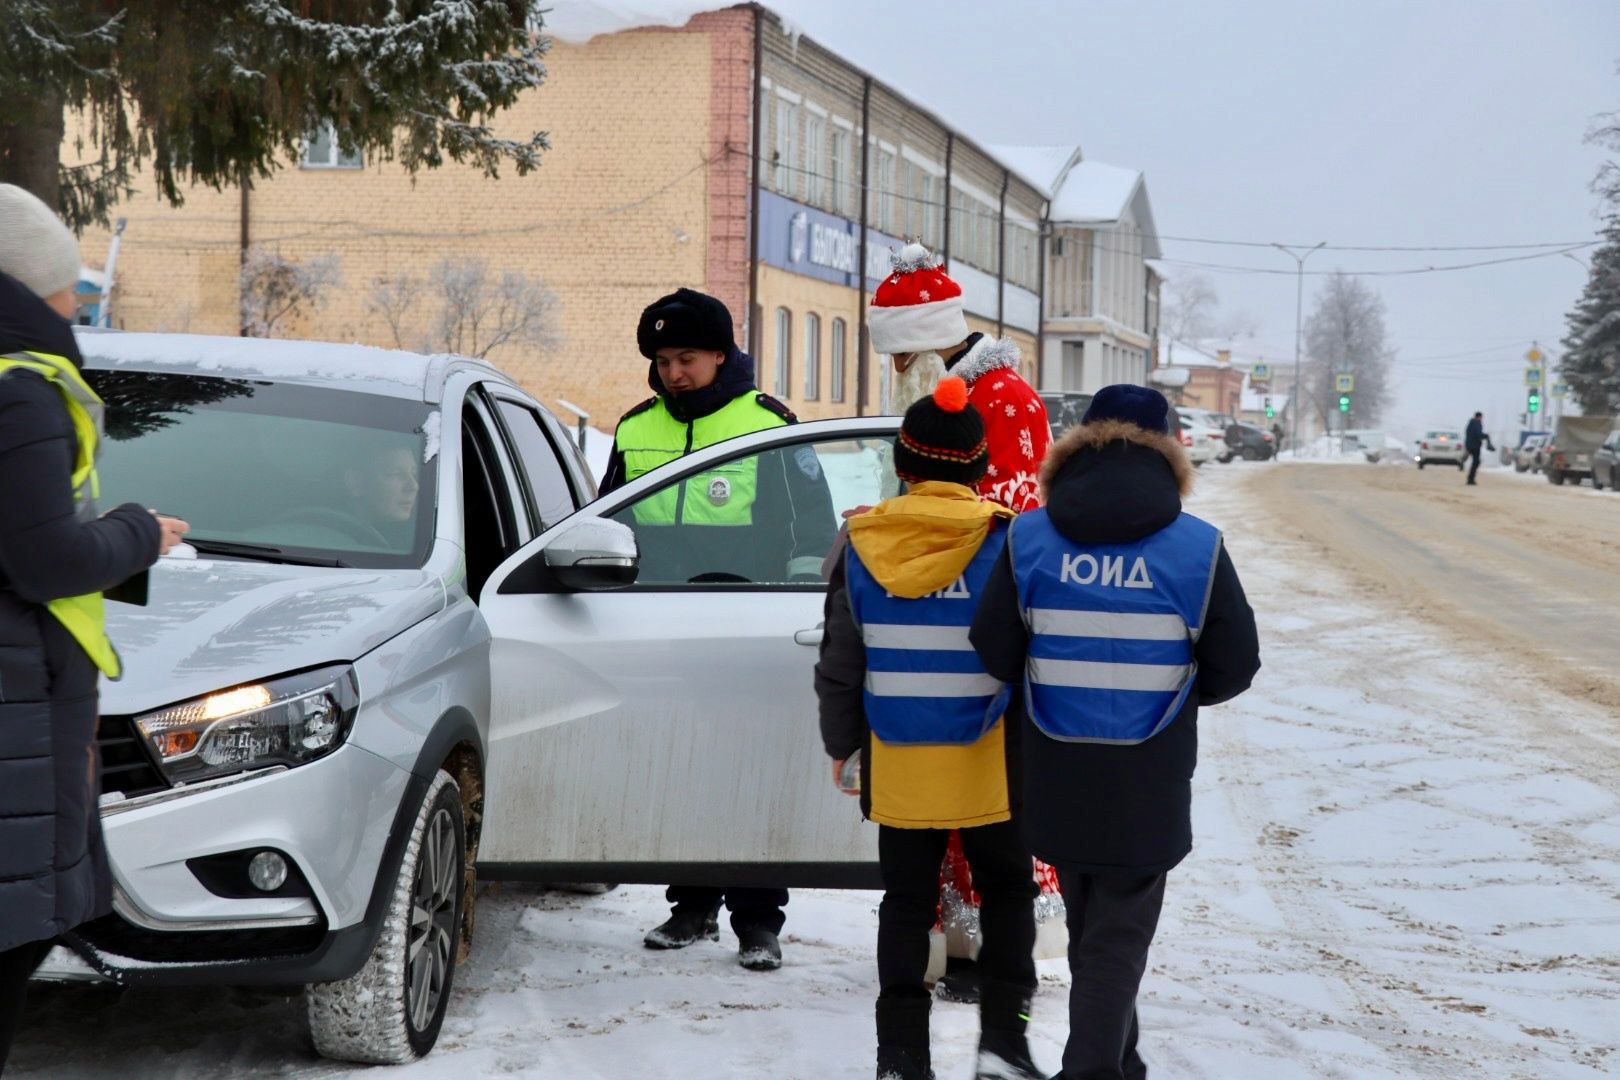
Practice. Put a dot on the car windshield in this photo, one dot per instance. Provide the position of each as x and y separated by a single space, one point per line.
295 473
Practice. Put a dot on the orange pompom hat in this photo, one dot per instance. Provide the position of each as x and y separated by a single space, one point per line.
951 394
942 438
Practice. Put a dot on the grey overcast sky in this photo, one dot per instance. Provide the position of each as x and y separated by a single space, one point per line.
1380 122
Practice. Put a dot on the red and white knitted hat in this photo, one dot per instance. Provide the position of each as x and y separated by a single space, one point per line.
917 308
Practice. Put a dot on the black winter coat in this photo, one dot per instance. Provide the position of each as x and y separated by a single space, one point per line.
1092 808
53 870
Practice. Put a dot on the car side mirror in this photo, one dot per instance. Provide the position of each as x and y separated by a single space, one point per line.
594 555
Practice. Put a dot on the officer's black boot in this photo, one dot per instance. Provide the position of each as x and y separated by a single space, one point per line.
685 925
1003 1038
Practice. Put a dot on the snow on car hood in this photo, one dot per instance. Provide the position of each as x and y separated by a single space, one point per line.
215 623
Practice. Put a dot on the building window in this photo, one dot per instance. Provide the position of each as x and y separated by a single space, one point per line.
786 122
784 353
321 151
812 357
836 345
815 167
910 201
933 211
887 218
842 166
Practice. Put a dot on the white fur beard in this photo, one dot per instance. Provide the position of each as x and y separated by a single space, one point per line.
916 382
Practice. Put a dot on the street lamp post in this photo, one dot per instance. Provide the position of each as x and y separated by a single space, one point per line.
1299 315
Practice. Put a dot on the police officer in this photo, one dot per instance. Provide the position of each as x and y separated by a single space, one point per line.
56 558
1122 615
704 393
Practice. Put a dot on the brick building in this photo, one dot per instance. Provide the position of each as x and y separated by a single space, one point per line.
729 153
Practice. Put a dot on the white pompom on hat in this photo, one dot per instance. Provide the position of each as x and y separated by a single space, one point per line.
35 247
917 308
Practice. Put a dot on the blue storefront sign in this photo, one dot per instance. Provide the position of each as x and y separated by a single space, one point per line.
808 241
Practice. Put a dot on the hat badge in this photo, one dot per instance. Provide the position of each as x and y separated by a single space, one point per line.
659 325
719 491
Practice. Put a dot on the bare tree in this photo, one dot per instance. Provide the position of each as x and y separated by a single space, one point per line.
1189 307
1605 133
1345 334
393 298
480 312
275 287
1192 313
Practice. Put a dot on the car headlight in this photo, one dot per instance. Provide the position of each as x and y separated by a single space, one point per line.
286 721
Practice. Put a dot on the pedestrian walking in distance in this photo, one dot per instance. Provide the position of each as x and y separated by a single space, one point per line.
57 557
899 685
1123 615
1475 439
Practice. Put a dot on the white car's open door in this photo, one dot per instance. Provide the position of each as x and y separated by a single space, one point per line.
666 731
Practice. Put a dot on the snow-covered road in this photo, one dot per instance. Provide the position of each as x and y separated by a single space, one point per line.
1407 865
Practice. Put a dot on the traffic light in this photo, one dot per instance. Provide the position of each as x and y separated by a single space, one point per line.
1270 412
1534 404
1344 402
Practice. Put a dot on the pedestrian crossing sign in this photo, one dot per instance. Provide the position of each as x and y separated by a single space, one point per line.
1345 383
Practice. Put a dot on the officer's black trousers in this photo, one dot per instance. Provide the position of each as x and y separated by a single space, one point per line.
750 908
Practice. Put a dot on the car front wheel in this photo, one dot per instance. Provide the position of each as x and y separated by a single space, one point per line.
390 1011
1555 476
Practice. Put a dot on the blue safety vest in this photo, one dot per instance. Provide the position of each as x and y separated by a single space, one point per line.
1112 626
924 683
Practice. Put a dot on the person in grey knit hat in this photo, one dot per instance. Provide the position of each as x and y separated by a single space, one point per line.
37 250
58 557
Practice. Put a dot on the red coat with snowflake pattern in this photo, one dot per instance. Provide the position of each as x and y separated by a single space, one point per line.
1015 423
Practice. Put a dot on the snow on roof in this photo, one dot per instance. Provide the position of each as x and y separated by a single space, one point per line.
577 21
312 363
1046 166
1093 193
1255 400
1182 354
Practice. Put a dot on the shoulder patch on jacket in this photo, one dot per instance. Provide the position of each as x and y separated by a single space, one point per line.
772 405
639 409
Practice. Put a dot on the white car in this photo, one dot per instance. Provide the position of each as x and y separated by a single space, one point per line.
1441 446
1204 439
411 645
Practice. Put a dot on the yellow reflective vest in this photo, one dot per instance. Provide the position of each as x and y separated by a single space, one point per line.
724 495
84 616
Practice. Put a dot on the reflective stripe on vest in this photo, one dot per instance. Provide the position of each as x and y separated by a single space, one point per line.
924 683
1112 626
84 616
723 495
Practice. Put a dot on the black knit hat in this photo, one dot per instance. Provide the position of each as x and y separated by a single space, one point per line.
942 438
685 319
1140 405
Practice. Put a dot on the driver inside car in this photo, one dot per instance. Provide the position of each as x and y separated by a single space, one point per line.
382 486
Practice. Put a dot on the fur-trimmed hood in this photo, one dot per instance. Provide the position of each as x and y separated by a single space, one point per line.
987 354
1113 482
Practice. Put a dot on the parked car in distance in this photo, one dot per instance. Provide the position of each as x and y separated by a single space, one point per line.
1250 443
1370 442
1442 446
1606 463
1207 431
1064 409
1574 440
1527 458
